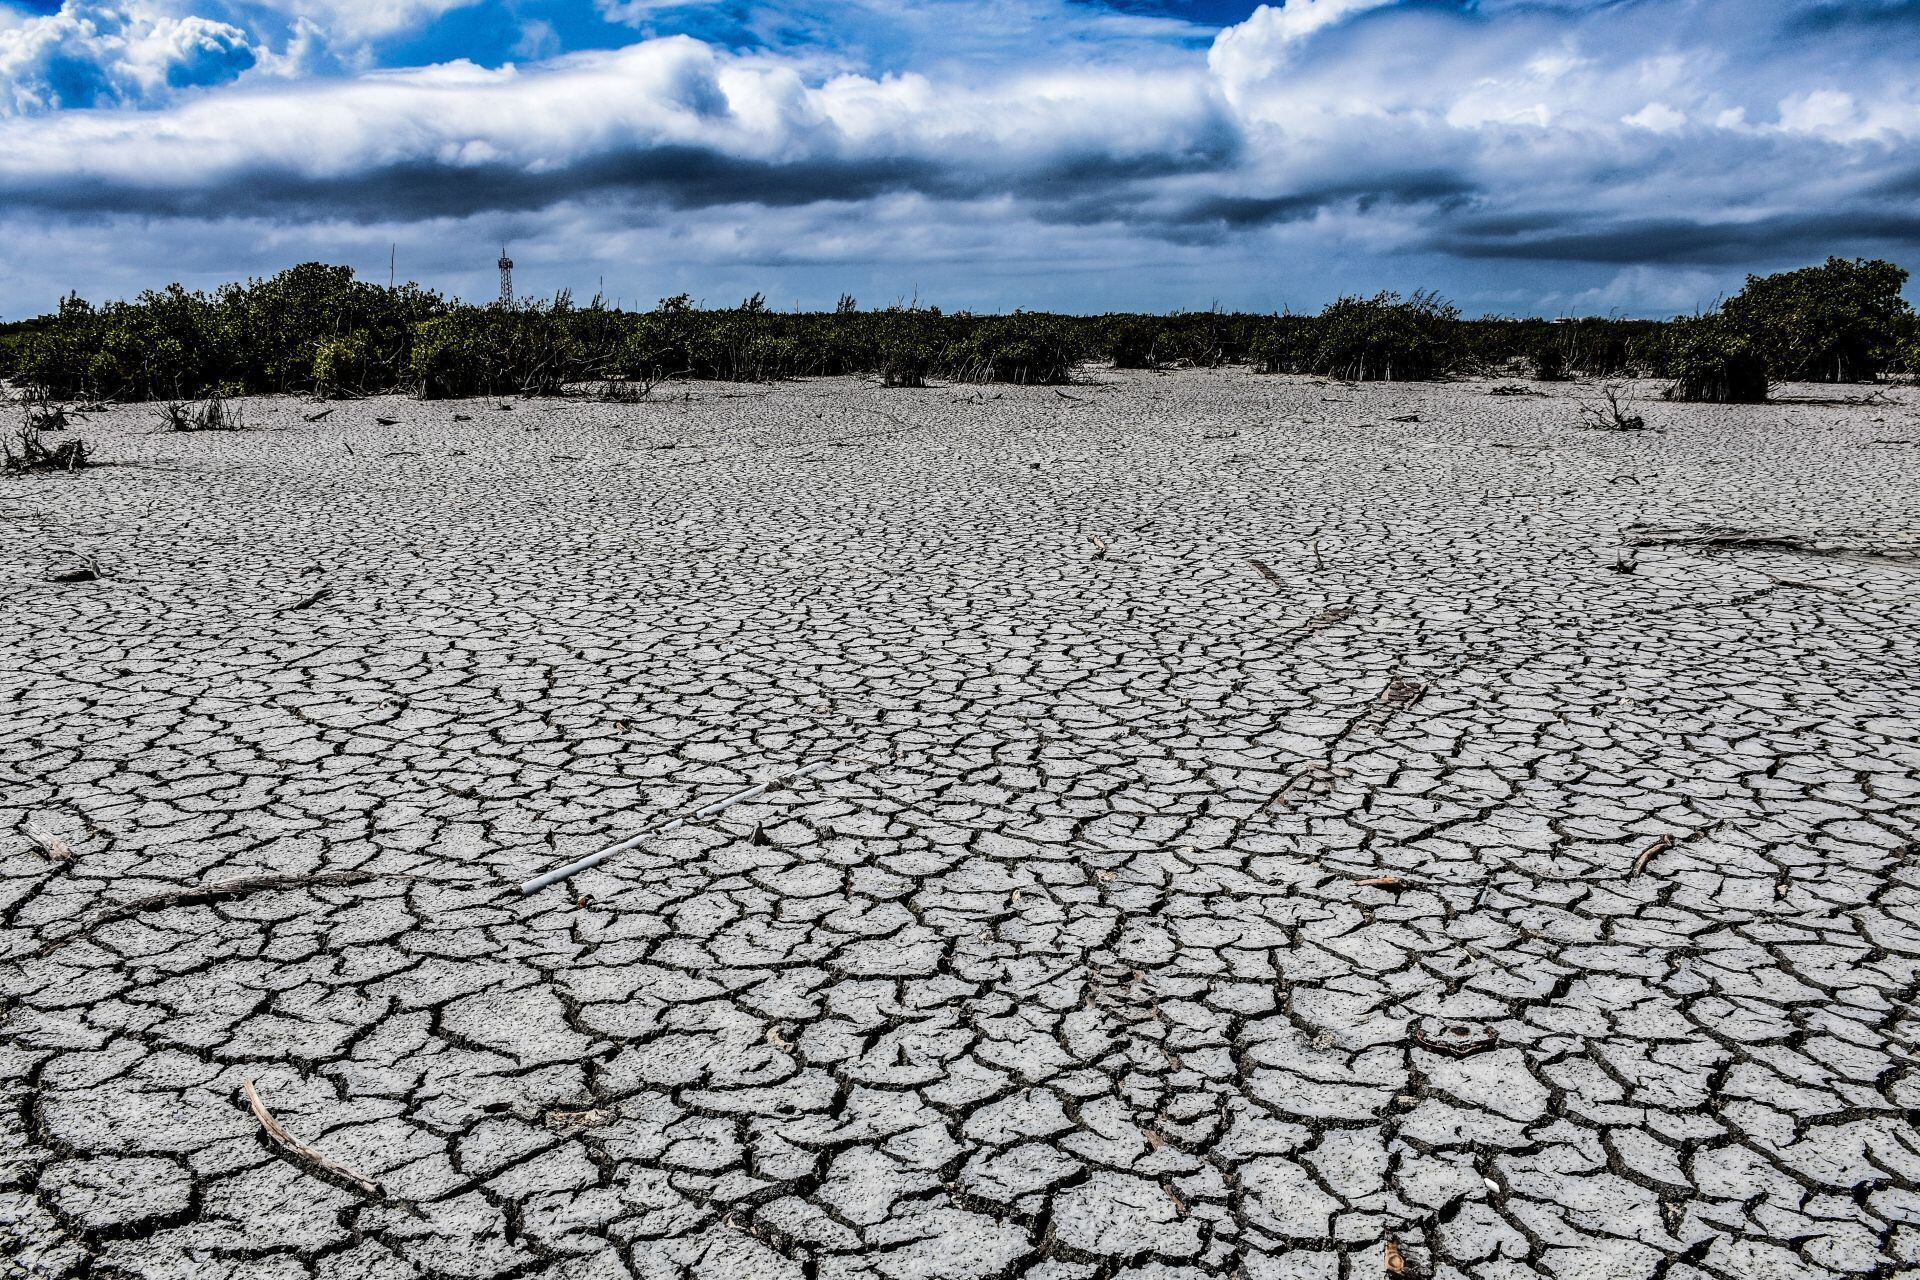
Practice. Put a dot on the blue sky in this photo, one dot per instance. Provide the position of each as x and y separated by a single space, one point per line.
1522 156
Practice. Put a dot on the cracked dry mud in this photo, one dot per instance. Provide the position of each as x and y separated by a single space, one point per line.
1164 915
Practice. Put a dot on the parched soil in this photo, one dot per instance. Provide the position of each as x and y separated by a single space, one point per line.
1263 828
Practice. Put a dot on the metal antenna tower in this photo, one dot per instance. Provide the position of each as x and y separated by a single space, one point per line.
506 278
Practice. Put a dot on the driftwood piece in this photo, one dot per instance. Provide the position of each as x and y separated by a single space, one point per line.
277 1132
306 601
1461 1044
1714 536
48 845
1649 853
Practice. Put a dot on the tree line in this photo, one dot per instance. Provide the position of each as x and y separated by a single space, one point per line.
315 329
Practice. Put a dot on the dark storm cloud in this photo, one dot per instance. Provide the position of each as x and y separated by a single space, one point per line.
1683 241
1502 130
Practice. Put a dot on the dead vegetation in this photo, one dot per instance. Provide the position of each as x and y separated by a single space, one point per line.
211 414
638 389
26 448
567 1123
1614 414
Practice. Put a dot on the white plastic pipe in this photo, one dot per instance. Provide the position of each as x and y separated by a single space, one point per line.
599 856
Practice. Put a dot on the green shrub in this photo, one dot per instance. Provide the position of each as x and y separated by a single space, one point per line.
1550 362
1711 362
751 351
1206 338
907 348
669 342
265 335
1130 342
1842 322
343 364
498 350
1385 339
1283 344
1024 348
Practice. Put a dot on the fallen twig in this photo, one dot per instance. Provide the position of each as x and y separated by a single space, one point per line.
1460 1047
307 600
1803 585
206 895
226 890
1713 536
1260 566
287 1142
1648 854
595 858
315 417
50 847
86 571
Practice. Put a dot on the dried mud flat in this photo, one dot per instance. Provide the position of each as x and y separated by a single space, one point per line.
1265 837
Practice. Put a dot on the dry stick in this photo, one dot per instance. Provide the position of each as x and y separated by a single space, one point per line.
278 1133
1267 573
595 858
1647 854
222 891
1801 584
305 601
51 847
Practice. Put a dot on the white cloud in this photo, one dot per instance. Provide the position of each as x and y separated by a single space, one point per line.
1265 42
91 54
1648 290
675 94
538 40
1656 117
359 20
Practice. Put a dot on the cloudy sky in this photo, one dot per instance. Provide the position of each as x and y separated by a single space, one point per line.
1545 156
